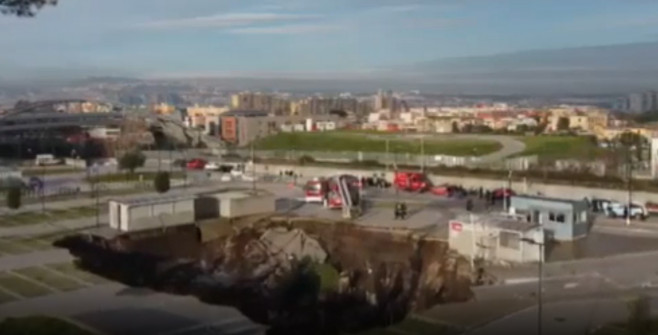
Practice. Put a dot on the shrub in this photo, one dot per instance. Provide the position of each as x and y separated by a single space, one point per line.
306 159
131 160
161 182
14 198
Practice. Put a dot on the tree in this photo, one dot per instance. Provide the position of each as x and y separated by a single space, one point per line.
14 198
541 127
23 8
633 141
563 124
131 160
161 182
455 127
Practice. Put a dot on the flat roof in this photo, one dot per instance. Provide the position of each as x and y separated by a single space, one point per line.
156 199
548 199
500 221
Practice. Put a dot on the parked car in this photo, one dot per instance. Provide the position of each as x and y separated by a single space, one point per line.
196 164
501 193
211 166
652 207
619 210
226 168
181 163
599 205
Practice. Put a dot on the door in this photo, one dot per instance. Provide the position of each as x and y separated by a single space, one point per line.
536 217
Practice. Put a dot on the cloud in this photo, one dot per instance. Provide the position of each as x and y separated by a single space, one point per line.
399 8
610 20
433 22
287 29
225 20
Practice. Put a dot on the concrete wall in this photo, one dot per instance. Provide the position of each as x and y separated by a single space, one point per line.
550 190
114 215
487 244
149 216
232 207
78 163
206 207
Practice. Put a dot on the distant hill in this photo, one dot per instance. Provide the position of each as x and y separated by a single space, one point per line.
599 69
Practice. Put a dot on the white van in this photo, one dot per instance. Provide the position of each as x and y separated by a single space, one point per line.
46 159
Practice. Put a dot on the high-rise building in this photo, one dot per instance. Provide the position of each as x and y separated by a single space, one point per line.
262 102
642 102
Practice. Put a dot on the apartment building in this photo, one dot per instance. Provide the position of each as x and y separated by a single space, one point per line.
163 109
324 105
200 116
270 103
641 102
241 127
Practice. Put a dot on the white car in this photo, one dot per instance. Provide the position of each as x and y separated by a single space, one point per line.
211 166
247 177
618 210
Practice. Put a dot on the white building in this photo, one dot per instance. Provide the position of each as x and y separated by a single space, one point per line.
496 238
151 212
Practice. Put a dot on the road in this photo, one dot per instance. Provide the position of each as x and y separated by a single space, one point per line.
573 317
510 146
114 309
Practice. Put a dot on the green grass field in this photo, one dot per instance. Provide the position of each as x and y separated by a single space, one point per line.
49 171
357 141
40 325
560 147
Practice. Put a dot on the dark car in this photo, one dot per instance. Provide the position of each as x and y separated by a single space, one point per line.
501 193
181 163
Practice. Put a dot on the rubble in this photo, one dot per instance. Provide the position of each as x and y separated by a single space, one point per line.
271 271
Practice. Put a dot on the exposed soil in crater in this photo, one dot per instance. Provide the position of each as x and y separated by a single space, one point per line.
267 268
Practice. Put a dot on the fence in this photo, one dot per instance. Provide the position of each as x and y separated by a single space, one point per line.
360 156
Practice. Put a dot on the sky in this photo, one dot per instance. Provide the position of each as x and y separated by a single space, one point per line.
170 38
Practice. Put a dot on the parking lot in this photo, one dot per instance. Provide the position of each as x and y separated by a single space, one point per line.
38 281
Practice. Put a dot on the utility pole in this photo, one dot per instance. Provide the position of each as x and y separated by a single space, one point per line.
629 181
387 155
42 188
506 196
422 154
96 193
253 168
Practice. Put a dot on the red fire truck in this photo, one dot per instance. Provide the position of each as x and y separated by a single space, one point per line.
412 181
325 190
315 190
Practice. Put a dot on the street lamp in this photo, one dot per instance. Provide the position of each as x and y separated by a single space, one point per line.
540 273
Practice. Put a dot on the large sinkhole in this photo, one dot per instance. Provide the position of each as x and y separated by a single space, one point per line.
295 275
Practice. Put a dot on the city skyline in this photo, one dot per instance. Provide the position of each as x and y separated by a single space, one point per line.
336 39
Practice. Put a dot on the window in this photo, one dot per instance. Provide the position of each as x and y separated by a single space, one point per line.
509 240
556 217
583 216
